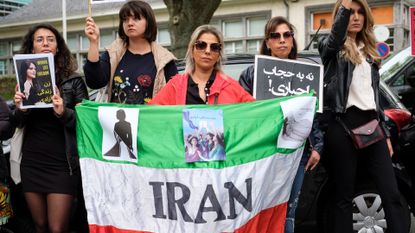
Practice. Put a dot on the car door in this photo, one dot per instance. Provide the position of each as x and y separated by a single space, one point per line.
403 84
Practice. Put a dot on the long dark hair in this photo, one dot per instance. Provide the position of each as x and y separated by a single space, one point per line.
138 9
24 67
65 63
271 25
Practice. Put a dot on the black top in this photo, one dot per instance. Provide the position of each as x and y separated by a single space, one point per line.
44 139
134 76
192 94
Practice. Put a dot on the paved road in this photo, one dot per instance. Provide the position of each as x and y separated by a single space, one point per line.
412 225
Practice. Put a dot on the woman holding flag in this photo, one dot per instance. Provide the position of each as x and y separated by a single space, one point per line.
203 81
134 67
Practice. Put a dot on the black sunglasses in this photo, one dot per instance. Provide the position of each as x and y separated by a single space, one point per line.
277 35
214 47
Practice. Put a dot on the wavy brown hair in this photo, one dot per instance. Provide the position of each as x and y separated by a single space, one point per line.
365 37
65 63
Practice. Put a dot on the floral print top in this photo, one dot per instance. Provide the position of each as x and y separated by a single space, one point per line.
134 79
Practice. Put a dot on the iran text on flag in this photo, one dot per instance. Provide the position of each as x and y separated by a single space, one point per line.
145 184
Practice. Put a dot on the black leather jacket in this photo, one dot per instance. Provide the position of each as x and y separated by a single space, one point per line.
316 138
338 71
73 91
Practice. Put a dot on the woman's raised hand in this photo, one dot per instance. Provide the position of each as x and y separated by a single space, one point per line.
91 30
347 3
18 99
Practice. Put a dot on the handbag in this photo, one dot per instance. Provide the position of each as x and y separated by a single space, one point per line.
364 135
16 144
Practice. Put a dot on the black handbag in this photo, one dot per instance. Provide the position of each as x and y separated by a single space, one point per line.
364 135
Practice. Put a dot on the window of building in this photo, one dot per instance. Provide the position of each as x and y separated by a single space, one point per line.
105 39
233 28
84 43
254 46
3 67
72 42
16 45
256 26
242 34
163 36
234 47
4 48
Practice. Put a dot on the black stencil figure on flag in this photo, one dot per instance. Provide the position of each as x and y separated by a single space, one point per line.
122 134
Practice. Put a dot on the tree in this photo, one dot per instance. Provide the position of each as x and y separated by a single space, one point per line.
185 17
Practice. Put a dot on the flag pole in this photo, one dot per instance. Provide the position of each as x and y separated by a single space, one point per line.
64 19
89 8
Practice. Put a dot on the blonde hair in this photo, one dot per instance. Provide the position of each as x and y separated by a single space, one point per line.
365 37
190 61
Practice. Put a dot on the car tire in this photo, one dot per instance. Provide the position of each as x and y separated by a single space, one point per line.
366 218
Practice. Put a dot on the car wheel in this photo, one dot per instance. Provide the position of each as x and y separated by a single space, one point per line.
369 215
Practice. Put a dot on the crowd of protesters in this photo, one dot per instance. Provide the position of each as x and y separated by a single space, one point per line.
50 172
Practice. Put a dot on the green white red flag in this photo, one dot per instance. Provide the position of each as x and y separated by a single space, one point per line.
147 185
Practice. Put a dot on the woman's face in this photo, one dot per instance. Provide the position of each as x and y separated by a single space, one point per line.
134 27
44 41
31 71
193 142
280 41
357 18
206 51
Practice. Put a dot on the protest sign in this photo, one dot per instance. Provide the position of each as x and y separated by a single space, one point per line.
276 77
162 192
35 74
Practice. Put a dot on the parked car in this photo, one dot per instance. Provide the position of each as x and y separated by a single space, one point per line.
313 213
398 72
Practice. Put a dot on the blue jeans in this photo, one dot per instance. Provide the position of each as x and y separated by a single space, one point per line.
295 194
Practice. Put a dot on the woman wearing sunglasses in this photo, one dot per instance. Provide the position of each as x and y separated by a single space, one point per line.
280 42
134 67
351 68
203 81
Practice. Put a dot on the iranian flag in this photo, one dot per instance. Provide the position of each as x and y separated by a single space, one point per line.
136 179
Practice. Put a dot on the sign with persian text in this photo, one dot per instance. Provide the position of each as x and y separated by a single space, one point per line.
276 77
35 74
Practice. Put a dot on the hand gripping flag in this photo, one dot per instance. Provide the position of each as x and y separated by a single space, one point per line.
158 191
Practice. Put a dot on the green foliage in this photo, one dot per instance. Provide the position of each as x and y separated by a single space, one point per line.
7 86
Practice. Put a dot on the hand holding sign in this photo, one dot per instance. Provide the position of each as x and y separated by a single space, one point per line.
57 101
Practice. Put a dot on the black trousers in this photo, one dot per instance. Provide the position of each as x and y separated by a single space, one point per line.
343 160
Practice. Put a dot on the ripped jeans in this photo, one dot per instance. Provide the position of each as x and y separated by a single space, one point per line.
295 194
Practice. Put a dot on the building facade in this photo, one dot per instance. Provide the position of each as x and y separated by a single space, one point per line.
241 21
8 6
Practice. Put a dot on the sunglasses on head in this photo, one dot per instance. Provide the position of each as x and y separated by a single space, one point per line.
277 35
214 47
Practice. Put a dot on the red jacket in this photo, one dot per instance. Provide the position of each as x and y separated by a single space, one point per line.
224 90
